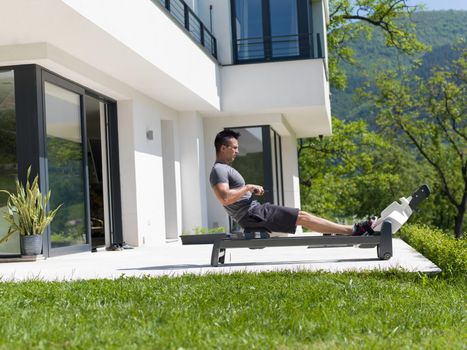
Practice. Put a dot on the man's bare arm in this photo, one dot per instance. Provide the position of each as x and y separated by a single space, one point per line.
227 196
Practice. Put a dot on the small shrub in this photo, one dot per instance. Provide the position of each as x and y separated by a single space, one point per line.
204 230
449 253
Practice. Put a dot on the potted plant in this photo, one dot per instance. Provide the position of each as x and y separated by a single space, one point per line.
27 215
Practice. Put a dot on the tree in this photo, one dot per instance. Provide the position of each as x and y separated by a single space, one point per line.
354 173
352 18
432 117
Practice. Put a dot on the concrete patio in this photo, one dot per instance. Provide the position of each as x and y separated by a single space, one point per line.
175 259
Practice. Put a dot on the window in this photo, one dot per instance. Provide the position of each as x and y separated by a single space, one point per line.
265 30
284 28
260 162
49 123
8 161
250 160
249 29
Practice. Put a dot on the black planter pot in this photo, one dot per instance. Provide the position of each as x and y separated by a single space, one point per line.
31 245
207 238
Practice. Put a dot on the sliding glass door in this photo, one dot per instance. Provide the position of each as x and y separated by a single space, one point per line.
97 170
68 135
65 162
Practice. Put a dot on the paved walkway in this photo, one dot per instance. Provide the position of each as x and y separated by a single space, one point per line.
175 259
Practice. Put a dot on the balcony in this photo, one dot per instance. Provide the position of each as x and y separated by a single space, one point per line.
297 90
185 16
278 48
278 30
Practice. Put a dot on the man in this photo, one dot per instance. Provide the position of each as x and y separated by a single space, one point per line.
236 197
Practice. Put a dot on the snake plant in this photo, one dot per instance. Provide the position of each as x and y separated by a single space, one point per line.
27 209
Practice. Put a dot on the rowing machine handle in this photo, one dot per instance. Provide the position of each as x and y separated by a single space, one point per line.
419 196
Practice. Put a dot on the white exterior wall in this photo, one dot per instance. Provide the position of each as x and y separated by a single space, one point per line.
290 177
172 180
320 15
193 180
221 28
297 89
141 170
134 42
127 171
141 26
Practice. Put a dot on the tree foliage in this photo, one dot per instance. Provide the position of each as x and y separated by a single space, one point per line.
349 19
431 116
420 136
438 29
355 173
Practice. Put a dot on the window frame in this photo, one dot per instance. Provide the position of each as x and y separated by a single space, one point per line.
304 16
271 143
31 138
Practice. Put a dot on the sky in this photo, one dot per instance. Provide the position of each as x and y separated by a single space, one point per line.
441 4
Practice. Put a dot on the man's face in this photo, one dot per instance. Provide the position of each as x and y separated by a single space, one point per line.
230 150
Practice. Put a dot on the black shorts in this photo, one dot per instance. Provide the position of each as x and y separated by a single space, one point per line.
271 217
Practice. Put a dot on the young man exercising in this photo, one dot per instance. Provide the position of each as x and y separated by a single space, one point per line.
236 197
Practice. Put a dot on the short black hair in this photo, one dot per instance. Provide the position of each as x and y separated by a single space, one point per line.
223 138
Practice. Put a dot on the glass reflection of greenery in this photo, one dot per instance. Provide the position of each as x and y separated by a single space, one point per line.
8 162
71 237
66 183
251 167
8 165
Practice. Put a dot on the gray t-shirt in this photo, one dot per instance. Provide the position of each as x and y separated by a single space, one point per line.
224 173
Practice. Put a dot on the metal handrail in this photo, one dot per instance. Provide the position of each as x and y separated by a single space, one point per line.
269 47
185 16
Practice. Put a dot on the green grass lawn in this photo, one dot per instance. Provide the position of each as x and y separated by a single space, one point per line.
285 310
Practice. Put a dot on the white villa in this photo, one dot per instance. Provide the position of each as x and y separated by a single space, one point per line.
116 103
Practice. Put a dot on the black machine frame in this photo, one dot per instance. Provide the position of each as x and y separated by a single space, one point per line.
382 242
258 238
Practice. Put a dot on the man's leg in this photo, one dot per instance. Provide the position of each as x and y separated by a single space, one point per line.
318 224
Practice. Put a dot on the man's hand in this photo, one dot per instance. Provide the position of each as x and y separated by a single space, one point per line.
227 196
256 189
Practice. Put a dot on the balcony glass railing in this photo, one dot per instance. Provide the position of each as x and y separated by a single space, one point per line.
279 47
184 15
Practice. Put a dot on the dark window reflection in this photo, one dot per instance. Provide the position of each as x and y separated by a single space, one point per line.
8 162
250 160
284 28
271 29
249 27
94 116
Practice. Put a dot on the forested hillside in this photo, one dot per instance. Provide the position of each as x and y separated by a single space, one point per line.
439 29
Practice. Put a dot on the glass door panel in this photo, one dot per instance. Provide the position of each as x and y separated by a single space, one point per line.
96 168
249 29
250 160
8 162
65 166
276 157
284 28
